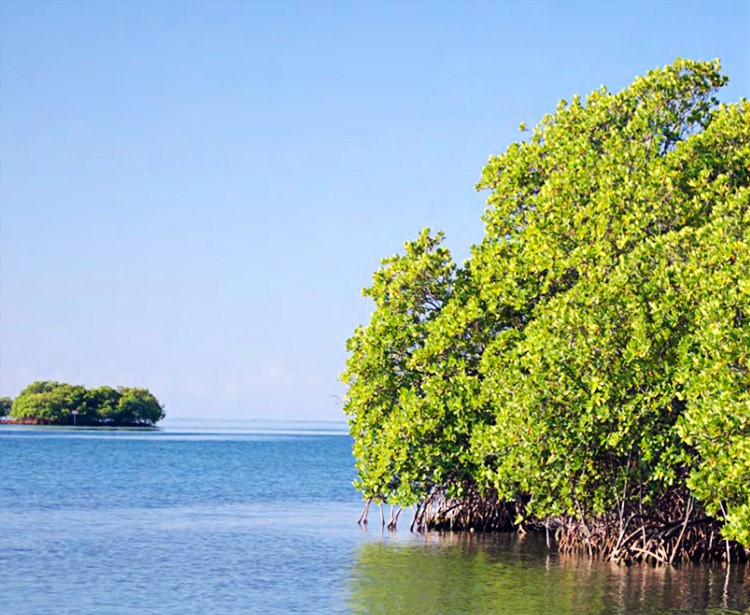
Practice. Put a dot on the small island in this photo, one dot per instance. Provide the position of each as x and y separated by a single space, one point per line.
58 403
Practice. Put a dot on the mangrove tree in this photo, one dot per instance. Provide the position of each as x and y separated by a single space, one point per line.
587 370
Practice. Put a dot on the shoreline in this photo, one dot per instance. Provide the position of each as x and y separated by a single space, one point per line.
36 423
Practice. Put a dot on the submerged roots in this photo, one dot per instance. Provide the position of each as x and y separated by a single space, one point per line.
653 542
475 511
675 531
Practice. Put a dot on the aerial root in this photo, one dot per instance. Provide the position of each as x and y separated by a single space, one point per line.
627 535
363 515
394 518
652 539
475 512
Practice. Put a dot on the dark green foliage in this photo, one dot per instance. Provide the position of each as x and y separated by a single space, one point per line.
590 361
5 405
53 403
138 407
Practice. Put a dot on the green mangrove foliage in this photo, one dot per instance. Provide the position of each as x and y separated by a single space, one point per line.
57 403
587 369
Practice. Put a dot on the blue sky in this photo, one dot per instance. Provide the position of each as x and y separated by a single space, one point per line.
192 194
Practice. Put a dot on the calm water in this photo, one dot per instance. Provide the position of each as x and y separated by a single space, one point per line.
236 518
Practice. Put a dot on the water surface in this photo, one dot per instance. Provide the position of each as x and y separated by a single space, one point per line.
260 518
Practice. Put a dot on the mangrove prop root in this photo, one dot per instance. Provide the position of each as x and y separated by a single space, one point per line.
476 511
651 536
393 523
363 515
671 531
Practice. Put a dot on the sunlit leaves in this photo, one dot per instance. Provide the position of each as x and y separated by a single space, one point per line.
594 349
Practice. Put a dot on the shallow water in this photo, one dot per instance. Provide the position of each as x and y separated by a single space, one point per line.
260 518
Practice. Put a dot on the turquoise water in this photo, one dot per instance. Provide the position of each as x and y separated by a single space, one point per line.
261 518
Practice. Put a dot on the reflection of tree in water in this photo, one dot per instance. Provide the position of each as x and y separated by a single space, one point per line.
465 573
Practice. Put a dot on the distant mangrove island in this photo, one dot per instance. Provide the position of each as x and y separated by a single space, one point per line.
58 403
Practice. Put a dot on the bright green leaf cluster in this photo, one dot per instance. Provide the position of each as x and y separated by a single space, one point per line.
592 355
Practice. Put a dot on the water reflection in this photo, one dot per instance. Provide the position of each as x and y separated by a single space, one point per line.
463 573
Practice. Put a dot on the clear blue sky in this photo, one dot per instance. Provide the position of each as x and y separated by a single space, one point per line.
192 194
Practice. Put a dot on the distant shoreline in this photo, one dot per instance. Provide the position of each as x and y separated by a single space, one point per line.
37 423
